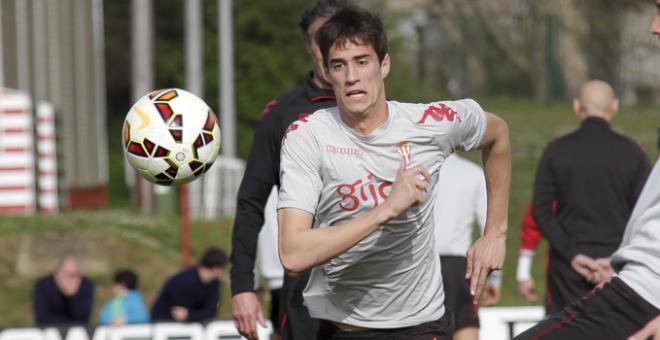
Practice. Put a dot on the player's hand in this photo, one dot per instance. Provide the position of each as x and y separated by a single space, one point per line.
485 255
179 313
586 267
604 271
651 330
491 295
527 288
409 188
246 311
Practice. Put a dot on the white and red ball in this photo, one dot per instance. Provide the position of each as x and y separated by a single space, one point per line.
171 136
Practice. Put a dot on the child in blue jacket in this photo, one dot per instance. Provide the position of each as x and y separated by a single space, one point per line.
127 305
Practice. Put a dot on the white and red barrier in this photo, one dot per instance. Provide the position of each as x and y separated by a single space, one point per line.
47 153
16 153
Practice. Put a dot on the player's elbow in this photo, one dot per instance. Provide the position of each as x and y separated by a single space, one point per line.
292 264
497 134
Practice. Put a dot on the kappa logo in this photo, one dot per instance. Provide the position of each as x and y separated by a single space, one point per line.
343 151
438 113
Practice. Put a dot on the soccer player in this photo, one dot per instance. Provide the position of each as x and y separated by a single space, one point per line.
628 304
595 175
460 204
261 174
354 202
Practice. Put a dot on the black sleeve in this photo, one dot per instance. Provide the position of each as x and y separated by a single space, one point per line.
40 304
209 309
261 173
545 191
643 170
161 308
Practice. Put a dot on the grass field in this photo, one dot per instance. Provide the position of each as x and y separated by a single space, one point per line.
150 244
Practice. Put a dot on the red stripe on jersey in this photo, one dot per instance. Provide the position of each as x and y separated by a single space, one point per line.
268 107
318 98
555 327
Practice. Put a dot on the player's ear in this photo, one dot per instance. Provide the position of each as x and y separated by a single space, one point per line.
385 66
614 106
577 107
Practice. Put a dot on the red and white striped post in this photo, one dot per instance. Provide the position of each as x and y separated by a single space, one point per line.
16 153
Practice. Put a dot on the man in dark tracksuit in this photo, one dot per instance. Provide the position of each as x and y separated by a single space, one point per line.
261 173
595 175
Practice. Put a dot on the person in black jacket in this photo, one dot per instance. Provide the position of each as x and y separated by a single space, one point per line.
261 174
595 175
63 297
194 293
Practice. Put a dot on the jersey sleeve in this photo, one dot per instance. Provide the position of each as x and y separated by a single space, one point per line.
530 234
261 174
300 177
470 127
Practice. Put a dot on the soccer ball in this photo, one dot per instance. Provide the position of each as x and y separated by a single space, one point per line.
171 136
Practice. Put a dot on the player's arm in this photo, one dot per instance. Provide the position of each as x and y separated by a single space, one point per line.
258 180
302 247
545 191
208 309
491 293
488 252
530 236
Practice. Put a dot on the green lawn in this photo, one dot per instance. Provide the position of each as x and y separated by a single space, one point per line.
150 244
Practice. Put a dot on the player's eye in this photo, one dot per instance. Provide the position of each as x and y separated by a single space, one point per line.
336 66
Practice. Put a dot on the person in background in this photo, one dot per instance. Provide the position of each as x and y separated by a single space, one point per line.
595 176
194 293
460 205
63 297
269 261
261 174
126 305
626 304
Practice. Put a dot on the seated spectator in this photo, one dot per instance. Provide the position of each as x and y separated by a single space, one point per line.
194 293
63 297
127 305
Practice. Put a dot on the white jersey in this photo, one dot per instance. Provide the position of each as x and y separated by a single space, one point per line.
460 202
269 258
392 277
639 253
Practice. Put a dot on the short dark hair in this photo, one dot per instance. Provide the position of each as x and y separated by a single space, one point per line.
127 278
352 24
213 257
323 9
